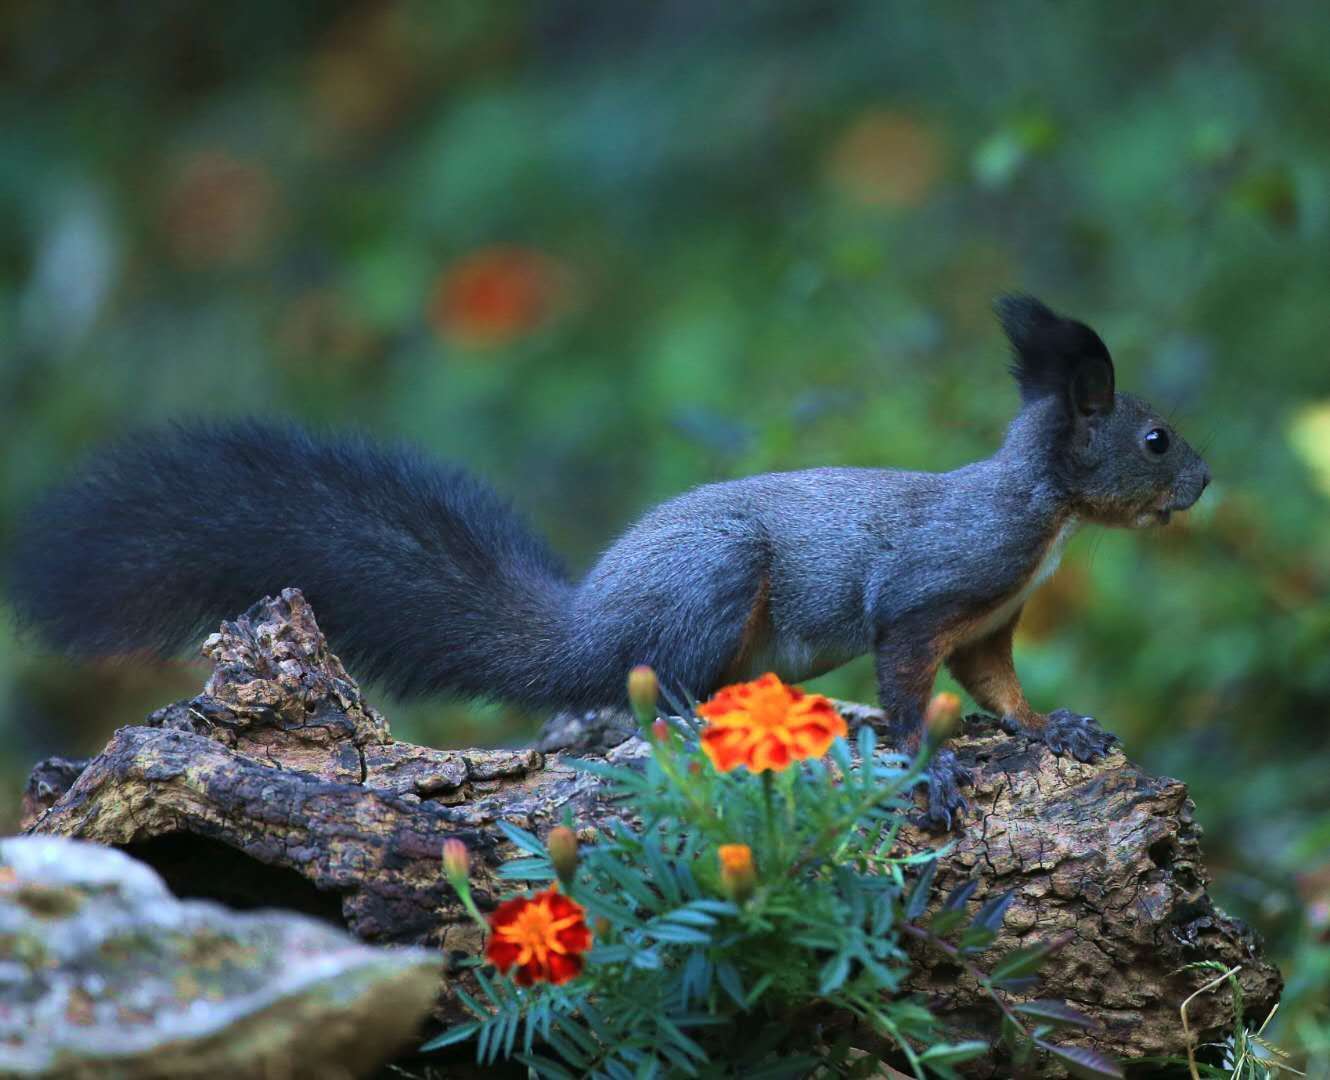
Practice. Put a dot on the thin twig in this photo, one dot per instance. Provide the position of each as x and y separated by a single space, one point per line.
1186 1029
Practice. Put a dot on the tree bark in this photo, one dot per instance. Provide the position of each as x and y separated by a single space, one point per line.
280 784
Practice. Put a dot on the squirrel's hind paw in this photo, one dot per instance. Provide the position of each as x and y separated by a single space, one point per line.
946 805
1081 737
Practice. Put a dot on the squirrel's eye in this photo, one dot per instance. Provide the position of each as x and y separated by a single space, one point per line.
1156 441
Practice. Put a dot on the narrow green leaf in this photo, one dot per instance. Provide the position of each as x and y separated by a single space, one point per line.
675 1058
714 907
510 1033
695 979
596 1022
530 869
661 873
930 856
1085 1064
673 934
610 954
960 895
576 1032
522 839
1020 962
689 917
679 1039
976 938
840 757
616 914
543 1066
473 1006
630 883
567 1049
730 981
759 988
914 906
867 744
1054 1012
453 1035
834 973
944 922
954 1053
994 911
646 960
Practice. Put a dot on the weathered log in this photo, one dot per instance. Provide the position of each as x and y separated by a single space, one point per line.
280 784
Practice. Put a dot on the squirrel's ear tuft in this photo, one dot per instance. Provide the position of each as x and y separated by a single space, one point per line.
1056 356
1023 318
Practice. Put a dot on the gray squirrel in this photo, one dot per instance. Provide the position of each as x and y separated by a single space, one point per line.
423 577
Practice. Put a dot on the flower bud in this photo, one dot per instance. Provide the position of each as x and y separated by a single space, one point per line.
456 860
643 691
562 845
737 876
942 717
660 730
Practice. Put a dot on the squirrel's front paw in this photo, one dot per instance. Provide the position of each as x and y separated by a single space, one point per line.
945 802
1068 733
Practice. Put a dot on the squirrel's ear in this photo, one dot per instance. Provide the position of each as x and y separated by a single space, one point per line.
1053 355
1092 386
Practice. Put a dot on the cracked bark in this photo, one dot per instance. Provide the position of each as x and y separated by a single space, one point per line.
280 784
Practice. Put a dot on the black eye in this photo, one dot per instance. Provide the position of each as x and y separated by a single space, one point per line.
1156 441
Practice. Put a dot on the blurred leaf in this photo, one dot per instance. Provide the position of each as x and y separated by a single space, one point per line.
1085 1064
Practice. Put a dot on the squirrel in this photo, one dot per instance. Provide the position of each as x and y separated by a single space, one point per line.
426 579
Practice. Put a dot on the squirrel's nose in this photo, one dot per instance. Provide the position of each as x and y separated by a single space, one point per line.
1205 478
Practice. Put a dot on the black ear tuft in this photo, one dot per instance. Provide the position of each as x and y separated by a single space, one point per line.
1023 318
1053 355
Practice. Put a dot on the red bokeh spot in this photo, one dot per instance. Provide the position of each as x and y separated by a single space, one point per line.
494 296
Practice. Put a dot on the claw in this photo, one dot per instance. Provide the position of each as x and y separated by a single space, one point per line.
1069 733
945 777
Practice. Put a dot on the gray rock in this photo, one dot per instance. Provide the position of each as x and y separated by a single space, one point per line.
103 973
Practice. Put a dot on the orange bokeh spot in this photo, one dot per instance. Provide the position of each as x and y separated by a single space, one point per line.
886 158
495 295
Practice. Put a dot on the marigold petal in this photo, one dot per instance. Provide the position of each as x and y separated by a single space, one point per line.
502 953
507 912
764 724
769 753
535 935
576 939
563 968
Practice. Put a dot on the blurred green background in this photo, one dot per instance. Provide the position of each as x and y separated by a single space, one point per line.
604 251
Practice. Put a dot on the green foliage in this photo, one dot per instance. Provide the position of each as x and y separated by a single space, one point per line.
690 976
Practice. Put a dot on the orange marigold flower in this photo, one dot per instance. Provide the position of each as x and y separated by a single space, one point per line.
735 857
765 724
543 937
943 716
737 875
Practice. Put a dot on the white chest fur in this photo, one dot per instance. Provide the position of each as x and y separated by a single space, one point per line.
1052 556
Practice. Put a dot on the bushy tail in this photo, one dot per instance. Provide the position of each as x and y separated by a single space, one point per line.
420 575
